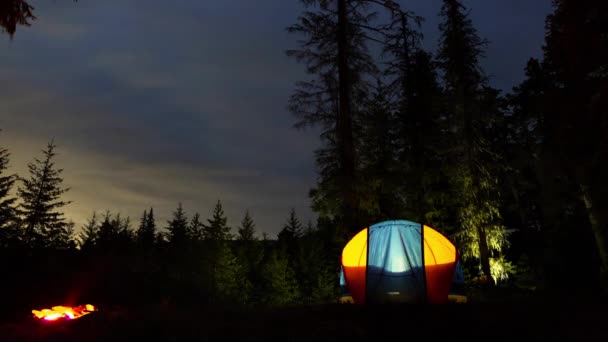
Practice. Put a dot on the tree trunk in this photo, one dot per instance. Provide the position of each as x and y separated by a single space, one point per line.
484 254
598 228
344 130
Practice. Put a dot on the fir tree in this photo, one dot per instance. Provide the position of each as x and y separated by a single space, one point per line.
151 227
231 282
292 229
247 230
147 229
195 229
335 52
107 232
178 227
89 234
380 172
40 199
279 280
124 232
216 228
481 235
249 251
8 218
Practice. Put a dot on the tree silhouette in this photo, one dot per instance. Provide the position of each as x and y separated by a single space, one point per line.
8 217
292 229
216 228
40 196
195 228
334 52
147 230
178 227
89 234
279 280
247 230
13 13
481 232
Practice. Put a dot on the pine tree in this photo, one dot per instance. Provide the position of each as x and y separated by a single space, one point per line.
178 227
89 234
231 282
481 235
40 196
216 234
292 229
195 229
380 171
124 233
335 52
106 234
216 228
247 230
8 218
147 229
279 280
151 232
249 251
13 13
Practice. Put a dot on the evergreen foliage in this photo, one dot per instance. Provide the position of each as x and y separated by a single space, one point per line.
9 235
177 228
40 195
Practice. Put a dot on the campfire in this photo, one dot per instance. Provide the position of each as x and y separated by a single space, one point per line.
64 312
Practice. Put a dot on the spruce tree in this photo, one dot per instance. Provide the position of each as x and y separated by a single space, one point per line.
178 227
231 283
8 217
106 234
247 230
481 235
249 251
124 233
335 53
146 231
380 180
90 231
43 224
219 261
216 228
195 228
292 229
280 284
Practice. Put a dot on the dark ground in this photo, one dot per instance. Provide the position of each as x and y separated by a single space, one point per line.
561 319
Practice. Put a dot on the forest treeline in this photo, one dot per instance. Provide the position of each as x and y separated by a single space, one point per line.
516 180
185 260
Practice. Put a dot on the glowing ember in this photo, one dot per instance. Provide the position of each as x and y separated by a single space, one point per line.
64 312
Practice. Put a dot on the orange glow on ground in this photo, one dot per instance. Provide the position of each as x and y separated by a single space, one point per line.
64 312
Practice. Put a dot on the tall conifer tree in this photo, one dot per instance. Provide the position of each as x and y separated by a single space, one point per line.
43 224
481 234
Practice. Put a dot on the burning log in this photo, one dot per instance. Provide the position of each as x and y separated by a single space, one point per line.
64 312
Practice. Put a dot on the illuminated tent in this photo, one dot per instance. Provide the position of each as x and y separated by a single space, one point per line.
399 261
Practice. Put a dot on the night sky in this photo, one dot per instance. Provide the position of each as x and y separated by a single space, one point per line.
156 102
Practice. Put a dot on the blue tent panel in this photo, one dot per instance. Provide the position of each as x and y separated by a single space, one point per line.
395 263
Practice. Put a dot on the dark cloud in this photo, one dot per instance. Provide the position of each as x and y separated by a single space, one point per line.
155 102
